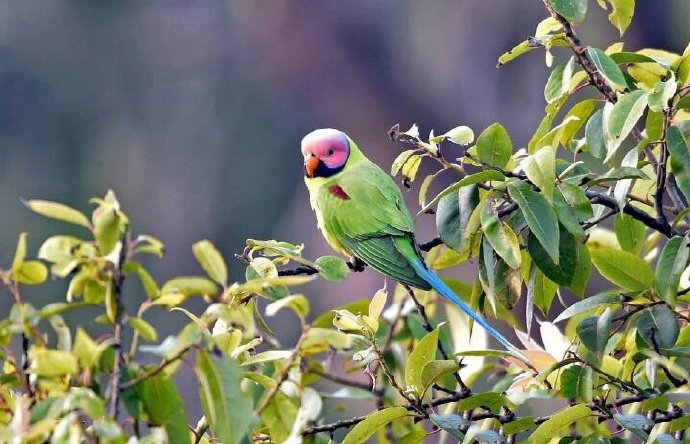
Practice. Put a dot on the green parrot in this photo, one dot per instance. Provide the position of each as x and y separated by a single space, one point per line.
361 213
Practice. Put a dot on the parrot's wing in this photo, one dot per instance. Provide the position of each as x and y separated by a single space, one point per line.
373 223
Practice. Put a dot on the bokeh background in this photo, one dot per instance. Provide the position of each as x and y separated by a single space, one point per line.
193 111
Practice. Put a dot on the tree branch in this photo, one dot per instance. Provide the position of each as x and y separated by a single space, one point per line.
118 281
153 372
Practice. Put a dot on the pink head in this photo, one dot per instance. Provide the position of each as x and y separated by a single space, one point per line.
325 152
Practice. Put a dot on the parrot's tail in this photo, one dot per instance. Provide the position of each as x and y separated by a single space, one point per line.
447 293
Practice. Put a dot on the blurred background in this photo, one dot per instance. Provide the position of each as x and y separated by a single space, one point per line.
192 112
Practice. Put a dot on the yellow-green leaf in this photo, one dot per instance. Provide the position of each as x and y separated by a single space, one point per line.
211 260
365 429
58 211
623 269
144 329
550 428
423 352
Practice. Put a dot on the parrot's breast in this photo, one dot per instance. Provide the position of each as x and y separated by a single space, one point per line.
323 194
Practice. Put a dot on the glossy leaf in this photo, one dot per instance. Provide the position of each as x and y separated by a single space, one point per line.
588 304
559 81
332 268
451 423
576 382
562 271
211 260
608 68
494 146
551 427
573 10
621 14
630 232
636 423
680 159
460 135
540 168
594 135
594 332
165 407
623 269
672 262
453 215
227 408
145 330
365 429
423 352
502 238
539 215
190 285
658 327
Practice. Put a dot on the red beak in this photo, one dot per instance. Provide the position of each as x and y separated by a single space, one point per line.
311 165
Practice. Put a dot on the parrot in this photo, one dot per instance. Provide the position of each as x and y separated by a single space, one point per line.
362 215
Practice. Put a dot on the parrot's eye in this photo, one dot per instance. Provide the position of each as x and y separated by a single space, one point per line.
330 152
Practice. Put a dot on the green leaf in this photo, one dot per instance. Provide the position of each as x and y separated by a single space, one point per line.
623 269
451 423
594 135
144 329
583 271
460 135
470 179
636 423
622 14
107 227
577 199
51 362
539 215
560 272
518 50
147 281
501 237
619 173
631 57
607 67
672 262
365 429
680 159
227 408
551 427
624 116
661 95
559 81
165 407
682 423
32 273
594 332
433 370
190 285
57 211
630 232
267 356
332 268
86 350
576 118
453 215
658 325
493 400
211 261
573 10
494 146
576 383
19 253
520 424
589 304
544 290
423 352
540 168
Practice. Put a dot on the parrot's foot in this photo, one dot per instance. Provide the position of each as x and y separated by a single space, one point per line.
356 264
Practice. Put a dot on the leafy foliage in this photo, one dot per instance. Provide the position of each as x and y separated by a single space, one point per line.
533 217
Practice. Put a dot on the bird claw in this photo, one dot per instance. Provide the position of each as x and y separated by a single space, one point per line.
356 264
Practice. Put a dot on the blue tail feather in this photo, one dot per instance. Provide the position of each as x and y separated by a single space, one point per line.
447 293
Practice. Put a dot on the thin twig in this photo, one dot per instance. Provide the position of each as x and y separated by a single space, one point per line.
118 282
159 368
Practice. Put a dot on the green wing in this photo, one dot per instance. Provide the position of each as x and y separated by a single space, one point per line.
374 223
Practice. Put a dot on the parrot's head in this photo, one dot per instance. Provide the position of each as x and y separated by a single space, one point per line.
325 152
